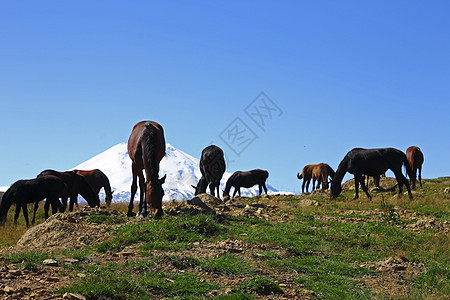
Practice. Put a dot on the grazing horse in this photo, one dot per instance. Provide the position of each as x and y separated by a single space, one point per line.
212 167
371 162
146 148
34 190
321 173
246 179
314 172
76 184
97 180
415 159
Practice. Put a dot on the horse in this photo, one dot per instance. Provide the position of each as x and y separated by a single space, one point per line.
309 173
76 184
371 162
97 180
34 190
212 167
415 159
146 148
321 172
246 179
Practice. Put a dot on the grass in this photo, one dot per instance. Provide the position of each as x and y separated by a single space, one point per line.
319 248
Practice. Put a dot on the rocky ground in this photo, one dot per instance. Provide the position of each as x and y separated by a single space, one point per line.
71 230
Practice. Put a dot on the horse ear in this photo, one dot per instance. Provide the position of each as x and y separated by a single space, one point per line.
193 186
163 179
112 192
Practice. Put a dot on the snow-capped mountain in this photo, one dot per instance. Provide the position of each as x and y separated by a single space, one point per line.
181 168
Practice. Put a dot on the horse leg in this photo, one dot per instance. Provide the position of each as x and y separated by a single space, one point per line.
17 212
303 186
260 189
72 200
211 188
265 188
401 180
307 185
364 187
142 199
420 175
235 192
133 193
47 206
25 214
36 205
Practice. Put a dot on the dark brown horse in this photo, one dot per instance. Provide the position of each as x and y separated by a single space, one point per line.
246 179
415 159
97 180
34 190
212 167
76 184
146 148
371 162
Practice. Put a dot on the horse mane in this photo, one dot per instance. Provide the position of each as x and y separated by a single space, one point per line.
149 151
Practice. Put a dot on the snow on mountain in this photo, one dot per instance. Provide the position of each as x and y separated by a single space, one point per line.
181 168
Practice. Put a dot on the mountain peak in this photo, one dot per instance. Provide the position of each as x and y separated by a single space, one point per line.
182 171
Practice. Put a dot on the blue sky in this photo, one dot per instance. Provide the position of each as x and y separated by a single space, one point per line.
75 76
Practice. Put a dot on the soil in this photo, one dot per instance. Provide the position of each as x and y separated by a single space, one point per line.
72 230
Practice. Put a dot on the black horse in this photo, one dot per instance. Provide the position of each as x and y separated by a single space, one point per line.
246 179
212 167
371 162
76 184
34 190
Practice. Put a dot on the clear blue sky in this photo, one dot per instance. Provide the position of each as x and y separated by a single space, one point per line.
75 76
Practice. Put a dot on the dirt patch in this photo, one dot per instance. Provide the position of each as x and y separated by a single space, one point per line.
392 278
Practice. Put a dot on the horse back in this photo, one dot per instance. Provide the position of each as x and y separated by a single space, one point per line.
142 130
212 163
414 156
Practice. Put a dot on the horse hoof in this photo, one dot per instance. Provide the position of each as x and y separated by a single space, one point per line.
131 214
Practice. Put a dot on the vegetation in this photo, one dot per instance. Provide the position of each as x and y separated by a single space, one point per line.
325 250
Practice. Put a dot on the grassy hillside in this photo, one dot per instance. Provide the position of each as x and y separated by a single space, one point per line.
274 247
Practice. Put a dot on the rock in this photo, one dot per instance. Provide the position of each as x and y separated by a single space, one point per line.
308 202
53 279
73 296
9 290
15 272
81 275
50 262
71 261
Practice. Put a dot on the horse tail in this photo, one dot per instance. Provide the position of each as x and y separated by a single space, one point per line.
299 176
408 168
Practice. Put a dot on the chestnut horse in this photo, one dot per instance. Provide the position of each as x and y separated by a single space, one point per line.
34 190
146 148
371 162
319 172
246 179
415 159
97 180
76 184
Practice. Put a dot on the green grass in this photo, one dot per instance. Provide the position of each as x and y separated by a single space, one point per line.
322 254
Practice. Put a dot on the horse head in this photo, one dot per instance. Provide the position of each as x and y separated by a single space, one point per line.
336 189
108 198
155 192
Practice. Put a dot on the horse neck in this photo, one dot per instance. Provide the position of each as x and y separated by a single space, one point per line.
106 185
341 170
227 188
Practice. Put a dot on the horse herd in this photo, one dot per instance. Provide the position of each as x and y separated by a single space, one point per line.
146 148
